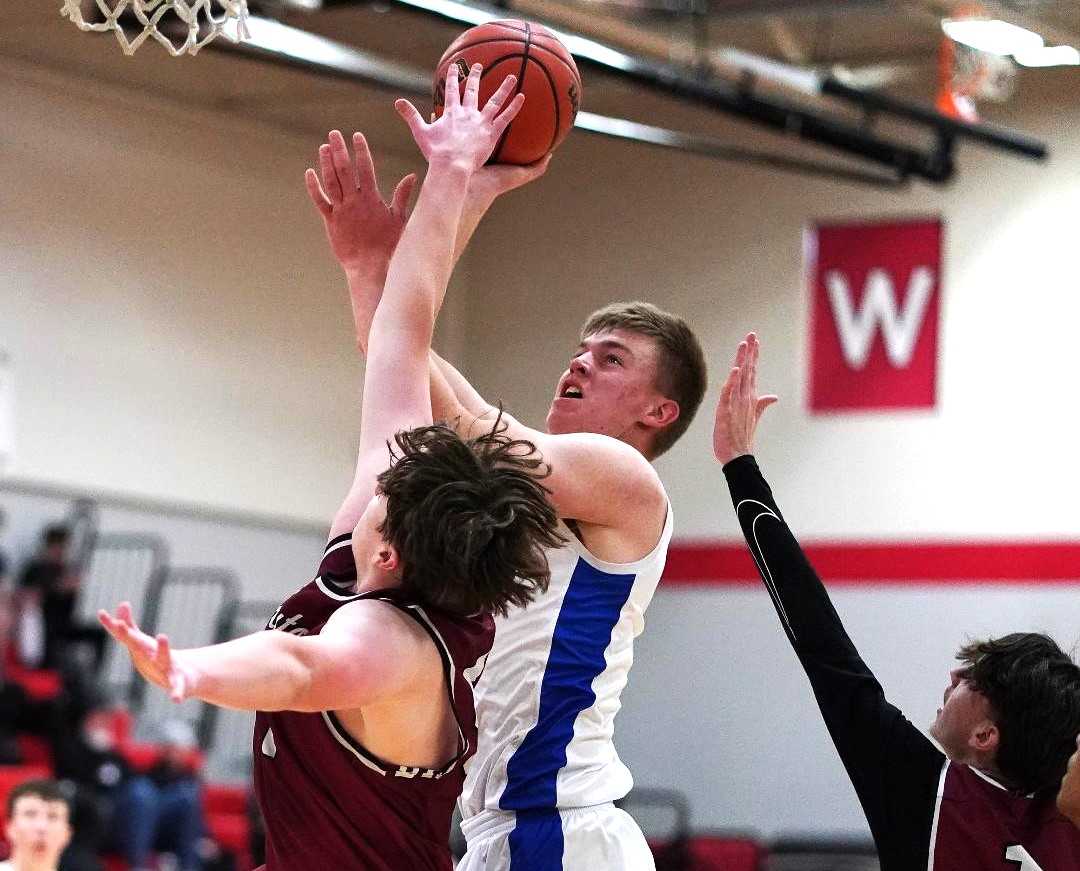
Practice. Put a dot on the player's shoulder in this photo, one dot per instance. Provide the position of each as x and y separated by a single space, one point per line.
373 615
610 453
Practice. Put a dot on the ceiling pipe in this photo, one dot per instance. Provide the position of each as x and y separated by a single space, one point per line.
741 99
272 41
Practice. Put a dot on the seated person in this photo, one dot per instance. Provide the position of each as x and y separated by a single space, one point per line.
4 564
37 827
121 810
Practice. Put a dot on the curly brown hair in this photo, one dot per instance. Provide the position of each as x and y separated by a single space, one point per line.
469 518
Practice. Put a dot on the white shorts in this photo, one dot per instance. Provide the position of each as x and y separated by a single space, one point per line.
596 838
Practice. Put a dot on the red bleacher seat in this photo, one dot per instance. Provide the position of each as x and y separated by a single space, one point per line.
720 853
220 798
41 684
35 750
227 818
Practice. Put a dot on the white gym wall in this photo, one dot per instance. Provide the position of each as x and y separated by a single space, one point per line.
178 333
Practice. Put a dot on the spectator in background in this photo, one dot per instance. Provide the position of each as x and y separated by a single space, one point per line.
50 582
38 826
14 704
134 814
4 565
1068 800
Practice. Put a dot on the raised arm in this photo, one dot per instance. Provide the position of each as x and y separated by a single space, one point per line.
396 382
361 227
893 767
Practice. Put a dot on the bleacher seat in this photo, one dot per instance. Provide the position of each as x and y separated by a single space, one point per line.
709 852
41 684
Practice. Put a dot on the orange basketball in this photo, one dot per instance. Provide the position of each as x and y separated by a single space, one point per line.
546 74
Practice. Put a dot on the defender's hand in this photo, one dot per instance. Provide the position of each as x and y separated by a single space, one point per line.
740 408
152 657
465 133
362 228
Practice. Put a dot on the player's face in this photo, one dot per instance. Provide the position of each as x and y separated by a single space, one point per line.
1068 801
367 541
608 386
963 710
38 830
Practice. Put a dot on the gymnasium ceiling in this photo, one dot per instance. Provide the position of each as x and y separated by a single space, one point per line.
886 43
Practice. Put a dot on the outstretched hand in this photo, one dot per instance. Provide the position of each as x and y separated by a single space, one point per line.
152 657
490 182
363 229
464 132
739 408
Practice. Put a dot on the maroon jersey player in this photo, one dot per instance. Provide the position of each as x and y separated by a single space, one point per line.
982 797
365 711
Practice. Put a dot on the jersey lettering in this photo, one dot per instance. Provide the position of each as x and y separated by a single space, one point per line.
1022 857
279 622
269 748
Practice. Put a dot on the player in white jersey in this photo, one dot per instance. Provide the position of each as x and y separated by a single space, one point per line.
539 791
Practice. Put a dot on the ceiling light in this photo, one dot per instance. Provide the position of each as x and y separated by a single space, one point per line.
1049 56
991 35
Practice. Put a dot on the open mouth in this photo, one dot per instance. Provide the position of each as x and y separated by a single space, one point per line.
570 392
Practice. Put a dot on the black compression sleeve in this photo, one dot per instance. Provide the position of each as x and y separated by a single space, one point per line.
893 766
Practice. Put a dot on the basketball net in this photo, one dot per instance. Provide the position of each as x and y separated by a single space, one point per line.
181 26
966 74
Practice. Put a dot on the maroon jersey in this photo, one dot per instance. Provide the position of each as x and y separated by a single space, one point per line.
328 803
980 824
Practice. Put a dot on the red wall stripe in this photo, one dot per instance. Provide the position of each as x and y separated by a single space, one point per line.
889 563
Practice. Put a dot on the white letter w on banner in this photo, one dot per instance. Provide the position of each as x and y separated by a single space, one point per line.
899 328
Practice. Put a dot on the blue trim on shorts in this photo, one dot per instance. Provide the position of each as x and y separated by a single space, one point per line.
536 842
590 609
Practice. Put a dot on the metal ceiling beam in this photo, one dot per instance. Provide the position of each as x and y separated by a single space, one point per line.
726 9
740 99
278 43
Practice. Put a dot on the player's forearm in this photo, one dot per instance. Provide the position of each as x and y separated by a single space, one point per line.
476 207
266 671
800 598
420 268
459 390
365 288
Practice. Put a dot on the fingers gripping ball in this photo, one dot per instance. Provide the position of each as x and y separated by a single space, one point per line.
546 74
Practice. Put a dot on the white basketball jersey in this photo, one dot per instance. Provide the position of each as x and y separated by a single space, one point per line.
547 696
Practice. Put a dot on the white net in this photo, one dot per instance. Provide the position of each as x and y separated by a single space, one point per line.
181 26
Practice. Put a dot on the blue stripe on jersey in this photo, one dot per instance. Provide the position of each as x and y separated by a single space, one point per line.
582 633
536 843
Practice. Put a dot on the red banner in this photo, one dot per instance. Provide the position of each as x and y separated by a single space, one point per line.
874 315
888 563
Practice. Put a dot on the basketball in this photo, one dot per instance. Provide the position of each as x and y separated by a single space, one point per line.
547 75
